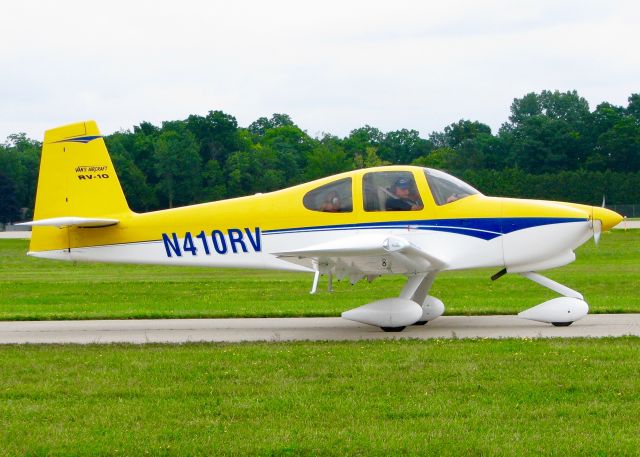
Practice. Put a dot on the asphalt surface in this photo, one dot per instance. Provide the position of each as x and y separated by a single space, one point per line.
303 329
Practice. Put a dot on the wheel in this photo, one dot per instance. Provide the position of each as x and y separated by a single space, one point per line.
420 323
562 324
392 329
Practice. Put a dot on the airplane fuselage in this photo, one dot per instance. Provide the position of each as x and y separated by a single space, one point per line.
246 232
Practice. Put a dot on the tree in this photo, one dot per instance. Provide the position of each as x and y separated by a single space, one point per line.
633 109
214 182
403 146
362 138
140 195
369 158
20 160
443 158
142 149
619 147
9 206
462 145
545 145
291 146
257 170
549 131
177 167
261 125
568 106
325 160
525 107
458 132
217 134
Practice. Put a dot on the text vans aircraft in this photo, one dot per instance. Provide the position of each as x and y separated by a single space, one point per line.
361 224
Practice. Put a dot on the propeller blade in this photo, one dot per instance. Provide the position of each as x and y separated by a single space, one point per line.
597 230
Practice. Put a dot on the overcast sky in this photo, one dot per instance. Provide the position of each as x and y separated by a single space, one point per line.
331 65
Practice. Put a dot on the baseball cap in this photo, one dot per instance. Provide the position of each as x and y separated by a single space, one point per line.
402 183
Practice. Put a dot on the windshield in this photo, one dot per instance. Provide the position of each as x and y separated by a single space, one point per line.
446 188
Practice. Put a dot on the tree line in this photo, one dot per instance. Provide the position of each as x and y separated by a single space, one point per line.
552 146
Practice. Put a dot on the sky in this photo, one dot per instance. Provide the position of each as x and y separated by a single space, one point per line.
333 66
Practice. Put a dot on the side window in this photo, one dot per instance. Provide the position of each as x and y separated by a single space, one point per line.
391 191
335 197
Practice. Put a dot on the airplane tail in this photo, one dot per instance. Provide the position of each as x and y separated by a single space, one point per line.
77 186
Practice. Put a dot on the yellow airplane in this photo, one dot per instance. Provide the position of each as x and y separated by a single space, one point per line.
361 224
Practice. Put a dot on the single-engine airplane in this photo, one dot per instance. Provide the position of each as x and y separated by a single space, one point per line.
361 224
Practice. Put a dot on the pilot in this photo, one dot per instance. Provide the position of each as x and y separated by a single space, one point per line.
453 197
331 202
403 199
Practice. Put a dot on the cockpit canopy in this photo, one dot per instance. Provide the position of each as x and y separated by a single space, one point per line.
388 190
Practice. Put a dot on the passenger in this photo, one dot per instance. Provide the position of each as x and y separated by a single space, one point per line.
402 197
331 202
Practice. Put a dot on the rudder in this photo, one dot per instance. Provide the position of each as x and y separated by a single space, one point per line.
76 180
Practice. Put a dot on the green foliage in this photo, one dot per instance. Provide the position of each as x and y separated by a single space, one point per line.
358 398
550 136
327 159
19 162
177 166
369 158
260 126
217 134
9 209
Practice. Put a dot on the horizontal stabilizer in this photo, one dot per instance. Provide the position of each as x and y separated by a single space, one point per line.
71 221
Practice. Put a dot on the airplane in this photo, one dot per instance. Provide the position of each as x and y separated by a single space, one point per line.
403 220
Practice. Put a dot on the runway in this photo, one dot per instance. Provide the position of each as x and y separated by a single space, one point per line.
302 329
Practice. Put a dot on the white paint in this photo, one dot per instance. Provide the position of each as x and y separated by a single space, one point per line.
432 308
553 285
561 309
390 312
71 221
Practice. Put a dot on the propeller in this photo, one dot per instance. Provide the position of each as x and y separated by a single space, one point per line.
596 224
597 229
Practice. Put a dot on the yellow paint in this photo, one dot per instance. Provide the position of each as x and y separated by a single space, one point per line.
63 185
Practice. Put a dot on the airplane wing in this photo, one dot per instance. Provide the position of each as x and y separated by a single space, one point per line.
365 255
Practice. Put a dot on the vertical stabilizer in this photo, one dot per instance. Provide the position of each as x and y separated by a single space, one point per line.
76 180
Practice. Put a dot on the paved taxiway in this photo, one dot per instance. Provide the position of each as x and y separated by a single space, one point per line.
303 329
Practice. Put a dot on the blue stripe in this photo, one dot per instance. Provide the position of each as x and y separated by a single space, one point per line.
81 139
483 228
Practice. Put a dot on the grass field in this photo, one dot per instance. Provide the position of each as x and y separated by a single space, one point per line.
455 397
608 276
438 397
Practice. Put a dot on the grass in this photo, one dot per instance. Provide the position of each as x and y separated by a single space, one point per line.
405 397
608 277
456 397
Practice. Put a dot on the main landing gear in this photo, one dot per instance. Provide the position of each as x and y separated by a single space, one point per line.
413 307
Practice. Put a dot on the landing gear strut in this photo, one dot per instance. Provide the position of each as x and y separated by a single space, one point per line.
560 312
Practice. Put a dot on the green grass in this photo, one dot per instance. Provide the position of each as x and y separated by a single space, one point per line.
608 276
439 397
